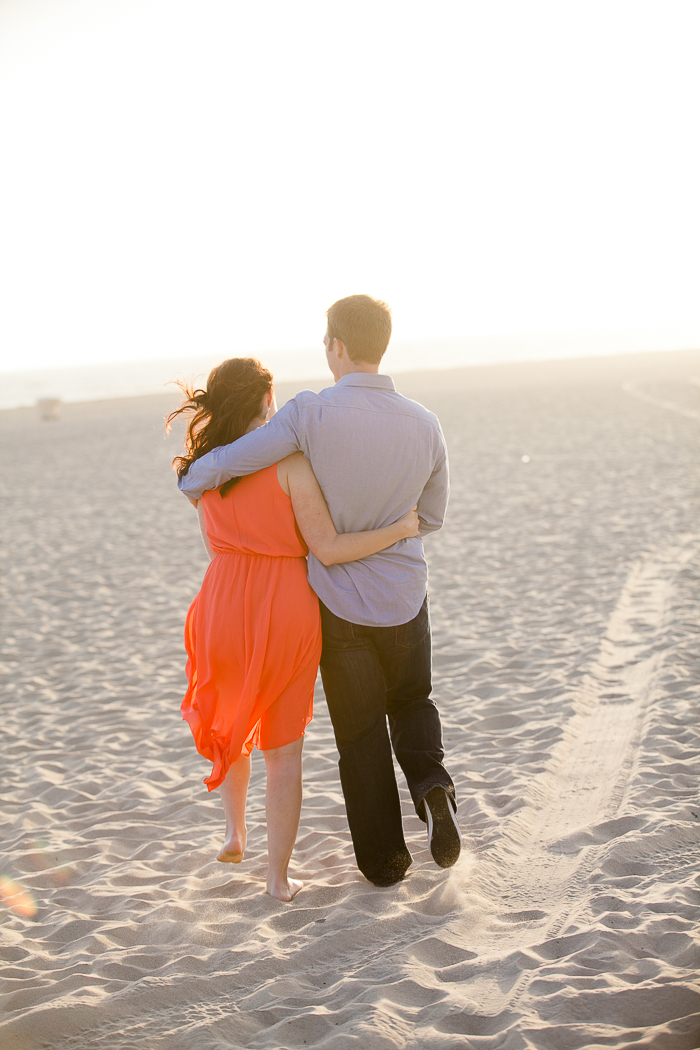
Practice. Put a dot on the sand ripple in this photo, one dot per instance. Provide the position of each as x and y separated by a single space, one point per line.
563 599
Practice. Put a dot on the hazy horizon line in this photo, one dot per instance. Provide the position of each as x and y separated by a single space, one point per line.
609 343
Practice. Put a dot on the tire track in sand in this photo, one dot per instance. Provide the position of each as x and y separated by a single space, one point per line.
528 885
634 391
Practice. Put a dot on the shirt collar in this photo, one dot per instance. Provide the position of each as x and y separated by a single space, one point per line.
372 379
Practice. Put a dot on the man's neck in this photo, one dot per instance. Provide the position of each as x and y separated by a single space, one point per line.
350 369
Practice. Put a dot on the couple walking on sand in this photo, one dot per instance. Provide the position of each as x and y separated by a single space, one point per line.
353 476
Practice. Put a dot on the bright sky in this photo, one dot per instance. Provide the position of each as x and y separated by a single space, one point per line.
207 176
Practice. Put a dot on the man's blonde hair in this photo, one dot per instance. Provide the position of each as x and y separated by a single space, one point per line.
363 324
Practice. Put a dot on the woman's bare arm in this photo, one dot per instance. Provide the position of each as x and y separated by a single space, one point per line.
316 525
202 527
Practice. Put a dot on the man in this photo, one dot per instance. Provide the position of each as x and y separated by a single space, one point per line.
376 454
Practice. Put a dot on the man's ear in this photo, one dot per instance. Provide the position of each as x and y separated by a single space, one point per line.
340 348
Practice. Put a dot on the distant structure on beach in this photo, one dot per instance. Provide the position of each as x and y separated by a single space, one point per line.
48 408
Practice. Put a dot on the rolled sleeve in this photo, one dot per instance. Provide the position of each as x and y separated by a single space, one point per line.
261 448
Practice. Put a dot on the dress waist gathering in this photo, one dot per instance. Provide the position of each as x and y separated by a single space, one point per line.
260 554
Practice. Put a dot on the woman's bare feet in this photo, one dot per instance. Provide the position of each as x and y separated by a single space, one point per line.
234 792
233 849
282 809
285 890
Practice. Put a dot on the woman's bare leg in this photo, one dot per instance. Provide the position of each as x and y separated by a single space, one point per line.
234 793
283 808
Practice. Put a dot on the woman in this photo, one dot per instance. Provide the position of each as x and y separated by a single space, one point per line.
253 633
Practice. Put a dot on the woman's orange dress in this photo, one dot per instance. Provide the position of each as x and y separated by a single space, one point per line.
253 633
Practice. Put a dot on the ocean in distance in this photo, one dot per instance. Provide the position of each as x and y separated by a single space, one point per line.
135 378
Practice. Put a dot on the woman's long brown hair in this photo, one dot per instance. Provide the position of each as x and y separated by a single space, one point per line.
223 412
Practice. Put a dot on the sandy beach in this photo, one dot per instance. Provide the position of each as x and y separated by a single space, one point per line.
564 604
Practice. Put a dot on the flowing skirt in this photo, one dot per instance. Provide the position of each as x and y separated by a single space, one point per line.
253 641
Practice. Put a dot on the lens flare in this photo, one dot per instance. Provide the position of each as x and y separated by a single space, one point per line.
16 898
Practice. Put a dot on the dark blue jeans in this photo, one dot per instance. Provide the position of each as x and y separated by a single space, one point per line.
371 674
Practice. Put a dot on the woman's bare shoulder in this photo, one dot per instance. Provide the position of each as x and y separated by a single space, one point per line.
293 460
291 466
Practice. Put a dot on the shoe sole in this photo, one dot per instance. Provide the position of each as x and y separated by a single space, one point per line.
444 836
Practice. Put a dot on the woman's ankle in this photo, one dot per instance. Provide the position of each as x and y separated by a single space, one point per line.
237 835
